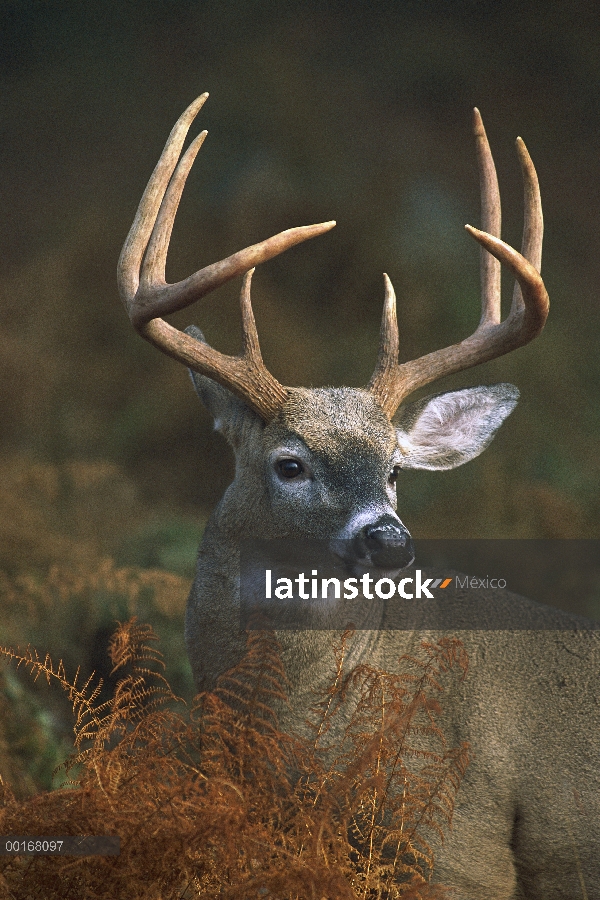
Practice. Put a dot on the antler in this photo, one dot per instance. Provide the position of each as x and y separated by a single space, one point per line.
392 382
146 295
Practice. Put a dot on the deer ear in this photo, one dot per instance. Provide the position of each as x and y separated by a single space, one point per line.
231 415
446 430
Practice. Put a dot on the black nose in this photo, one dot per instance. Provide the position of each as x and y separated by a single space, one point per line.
387 543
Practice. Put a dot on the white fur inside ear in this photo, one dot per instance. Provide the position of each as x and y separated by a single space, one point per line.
447 430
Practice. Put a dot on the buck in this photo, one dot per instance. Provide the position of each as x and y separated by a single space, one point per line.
323 463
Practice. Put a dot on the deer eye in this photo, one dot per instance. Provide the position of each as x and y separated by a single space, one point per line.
290 468
393 476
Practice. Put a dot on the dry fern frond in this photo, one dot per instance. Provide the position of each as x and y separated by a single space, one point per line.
386 805
220 803
82 697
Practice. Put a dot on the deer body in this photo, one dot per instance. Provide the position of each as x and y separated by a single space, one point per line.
323 464
527 817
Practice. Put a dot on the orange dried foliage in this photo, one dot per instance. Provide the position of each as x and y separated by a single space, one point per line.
218 802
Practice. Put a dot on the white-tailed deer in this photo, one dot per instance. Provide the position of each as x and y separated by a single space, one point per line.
323 464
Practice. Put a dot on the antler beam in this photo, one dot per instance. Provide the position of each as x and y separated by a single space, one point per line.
392 382
147 296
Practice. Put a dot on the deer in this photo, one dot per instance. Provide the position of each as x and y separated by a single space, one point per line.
324 463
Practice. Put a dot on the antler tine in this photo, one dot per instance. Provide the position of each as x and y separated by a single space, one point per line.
491 218
128 269
391 382
155 259
533 223
147 296
383 379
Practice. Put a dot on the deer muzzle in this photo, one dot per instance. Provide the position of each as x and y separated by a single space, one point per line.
380 544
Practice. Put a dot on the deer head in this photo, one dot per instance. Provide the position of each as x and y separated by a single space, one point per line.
323 463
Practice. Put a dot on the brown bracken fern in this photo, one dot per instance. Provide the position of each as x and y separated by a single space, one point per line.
218 802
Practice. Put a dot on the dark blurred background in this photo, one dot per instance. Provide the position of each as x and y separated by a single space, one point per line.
358 111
